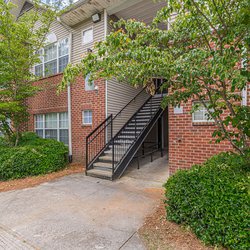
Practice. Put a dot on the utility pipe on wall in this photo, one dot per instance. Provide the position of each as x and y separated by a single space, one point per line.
69 103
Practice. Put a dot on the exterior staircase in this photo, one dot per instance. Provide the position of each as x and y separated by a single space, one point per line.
108 155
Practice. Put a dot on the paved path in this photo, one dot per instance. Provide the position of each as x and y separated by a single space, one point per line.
79 212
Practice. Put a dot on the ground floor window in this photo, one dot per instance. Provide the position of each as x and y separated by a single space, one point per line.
87 117
201 114
53 126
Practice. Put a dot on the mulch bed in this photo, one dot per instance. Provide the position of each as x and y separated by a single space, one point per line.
36 180
160 234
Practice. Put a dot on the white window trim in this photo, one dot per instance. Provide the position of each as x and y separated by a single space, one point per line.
57 128
57 57
91 27
200 121
83 123
87 84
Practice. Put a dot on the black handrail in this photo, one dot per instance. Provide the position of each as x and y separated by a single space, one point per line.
117 134
129 102
101 138
98 126
134 113
98 142
98 131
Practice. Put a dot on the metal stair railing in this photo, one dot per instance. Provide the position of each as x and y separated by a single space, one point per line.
101 136
104 137
121 149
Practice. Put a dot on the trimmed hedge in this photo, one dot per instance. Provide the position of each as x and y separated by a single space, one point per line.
34 156
213 200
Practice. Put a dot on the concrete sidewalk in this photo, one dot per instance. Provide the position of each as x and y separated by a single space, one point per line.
79 212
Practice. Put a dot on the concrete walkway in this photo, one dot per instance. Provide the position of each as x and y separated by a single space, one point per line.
79 212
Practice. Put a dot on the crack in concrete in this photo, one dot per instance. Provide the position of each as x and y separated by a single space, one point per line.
11 240
126 241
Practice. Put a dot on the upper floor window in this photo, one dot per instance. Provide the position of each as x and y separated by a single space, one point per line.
89 85
201 114
53 58
87 36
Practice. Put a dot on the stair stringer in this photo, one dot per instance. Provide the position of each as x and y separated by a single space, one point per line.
128 157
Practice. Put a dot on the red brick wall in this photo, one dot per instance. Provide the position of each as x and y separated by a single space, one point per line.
85 100
190 143
47 101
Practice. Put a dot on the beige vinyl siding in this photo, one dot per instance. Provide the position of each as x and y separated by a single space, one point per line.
118 95
17 9
60 31
111 20
79 49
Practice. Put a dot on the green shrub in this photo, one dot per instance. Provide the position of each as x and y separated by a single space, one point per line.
34 156
213 200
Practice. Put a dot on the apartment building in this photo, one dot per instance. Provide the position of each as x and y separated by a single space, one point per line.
106 122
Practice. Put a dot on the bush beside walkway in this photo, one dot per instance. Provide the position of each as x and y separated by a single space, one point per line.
213 200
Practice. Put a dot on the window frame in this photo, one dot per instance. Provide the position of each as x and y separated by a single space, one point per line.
204 114
58 128
88 87
57 43
82 33
83 117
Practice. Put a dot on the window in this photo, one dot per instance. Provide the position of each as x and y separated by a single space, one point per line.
201 114
53 126
39 66
8 123
50 59
87 117
89 85
87 36
53 58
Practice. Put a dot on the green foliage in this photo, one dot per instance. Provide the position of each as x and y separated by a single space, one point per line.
213 199
203 56
20 38
34 156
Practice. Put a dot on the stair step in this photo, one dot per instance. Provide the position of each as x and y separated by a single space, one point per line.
131 132
120 152
138 125
100 173
139 120
105 165
144 114
107 158
121 142
149 109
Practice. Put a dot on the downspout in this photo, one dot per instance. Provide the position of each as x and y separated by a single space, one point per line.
69 103
106 82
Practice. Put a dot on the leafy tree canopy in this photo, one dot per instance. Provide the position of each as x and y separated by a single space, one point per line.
20 38
203 56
